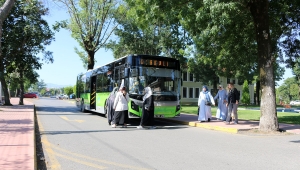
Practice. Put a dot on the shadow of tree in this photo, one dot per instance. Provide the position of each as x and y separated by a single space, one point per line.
290 119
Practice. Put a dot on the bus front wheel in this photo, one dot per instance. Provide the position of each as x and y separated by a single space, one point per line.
82 107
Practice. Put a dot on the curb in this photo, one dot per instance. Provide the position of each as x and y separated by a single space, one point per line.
34 137
207 126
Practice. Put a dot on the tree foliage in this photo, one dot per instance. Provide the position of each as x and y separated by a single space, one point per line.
246 93
289 90
68 90
91 24
158 34
26 35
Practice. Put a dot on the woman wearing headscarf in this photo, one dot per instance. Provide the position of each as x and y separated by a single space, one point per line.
204 102
121 108
109 105
222 100
148 110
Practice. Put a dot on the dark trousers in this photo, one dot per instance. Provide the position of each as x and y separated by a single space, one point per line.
120 117
147 118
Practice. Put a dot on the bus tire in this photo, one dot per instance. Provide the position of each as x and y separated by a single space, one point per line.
82 107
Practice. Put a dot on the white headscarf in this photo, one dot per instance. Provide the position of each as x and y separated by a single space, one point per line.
148 93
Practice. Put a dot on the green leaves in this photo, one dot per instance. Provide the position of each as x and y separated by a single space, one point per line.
91 24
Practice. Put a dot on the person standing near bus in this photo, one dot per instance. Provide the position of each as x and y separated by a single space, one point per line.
121 108
233 101
222 100
204 102
148 110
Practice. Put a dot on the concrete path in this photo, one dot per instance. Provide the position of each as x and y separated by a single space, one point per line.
191 120
17 145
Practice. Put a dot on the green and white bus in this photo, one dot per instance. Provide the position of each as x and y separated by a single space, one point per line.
135 72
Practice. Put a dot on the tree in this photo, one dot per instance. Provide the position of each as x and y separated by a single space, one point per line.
219 25
158 33
74 89
27 34
289 90
246 94
4 11
91 24
296 72
68 90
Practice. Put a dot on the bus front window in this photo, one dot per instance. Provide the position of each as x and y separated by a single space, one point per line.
136 85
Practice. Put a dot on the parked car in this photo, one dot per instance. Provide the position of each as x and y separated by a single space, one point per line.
72 96
65 96
60 96
30 95
296 102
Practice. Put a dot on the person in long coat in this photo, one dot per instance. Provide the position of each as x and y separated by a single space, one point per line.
222 100
109 105
205 109
121 108
148 110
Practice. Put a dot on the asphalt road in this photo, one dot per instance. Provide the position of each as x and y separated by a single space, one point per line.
82 141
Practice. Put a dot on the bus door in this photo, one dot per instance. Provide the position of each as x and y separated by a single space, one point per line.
93 93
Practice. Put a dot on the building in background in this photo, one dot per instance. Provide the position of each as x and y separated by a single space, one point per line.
190 88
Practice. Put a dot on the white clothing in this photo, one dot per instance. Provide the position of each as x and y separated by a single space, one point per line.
222 109
121 101
204 111
148 93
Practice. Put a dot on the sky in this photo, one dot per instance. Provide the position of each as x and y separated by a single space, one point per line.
67 65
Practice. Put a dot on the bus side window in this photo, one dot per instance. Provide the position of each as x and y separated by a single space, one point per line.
99 82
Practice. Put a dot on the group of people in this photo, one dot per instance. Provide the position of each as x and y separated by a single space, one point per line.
227 104
117 108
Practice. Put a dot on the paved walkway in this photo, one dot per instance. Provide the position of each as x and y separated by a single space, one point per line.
191 120
17 146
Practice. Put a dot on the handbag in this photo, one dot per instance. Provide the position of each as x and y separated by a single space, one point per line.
208 103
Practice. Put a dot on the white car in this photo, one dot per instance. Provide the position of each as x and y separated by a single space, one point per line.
296 102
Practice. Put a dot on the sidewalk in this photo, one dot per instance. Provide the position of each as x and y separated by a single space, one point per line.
17 145
191 120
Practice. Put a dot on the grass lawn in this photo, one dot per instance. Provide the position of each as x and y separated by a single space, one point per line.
283 117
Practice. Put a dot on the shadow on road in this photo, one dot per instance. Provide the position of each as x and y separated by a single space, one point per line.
296 141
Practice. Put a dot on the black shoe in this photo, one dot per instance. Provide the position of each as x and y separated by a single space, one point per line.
208 120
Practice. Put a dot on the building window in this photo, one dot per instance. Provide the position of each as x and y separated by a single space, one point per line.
184 92
228 80
191 92
191 77
233 81
184 76
196 92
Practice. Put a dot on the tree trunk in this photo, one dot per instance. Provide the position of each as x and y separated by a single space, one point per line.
268 119
5 90
21 101
91 60
4 11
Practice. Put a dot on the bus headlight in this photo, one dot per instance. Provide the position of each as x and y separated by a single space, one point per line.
134 106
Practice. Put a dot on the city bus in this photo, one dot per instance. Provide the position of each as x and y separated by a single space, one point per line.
135 72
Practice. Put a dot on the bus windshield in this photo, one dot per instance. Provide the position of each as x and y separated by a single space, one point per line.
162 81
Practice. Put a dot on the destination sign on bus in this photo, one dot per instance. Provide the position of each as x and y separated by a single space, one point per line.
154 62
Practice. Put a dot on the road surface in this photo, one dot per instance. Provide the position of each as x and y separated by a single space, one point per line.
74 140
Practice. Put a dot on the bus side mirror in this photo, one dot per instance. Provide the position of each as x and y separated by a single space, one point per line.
126 72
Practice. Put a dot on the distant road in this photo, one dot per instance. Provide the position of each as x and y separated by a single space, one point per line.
73 140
